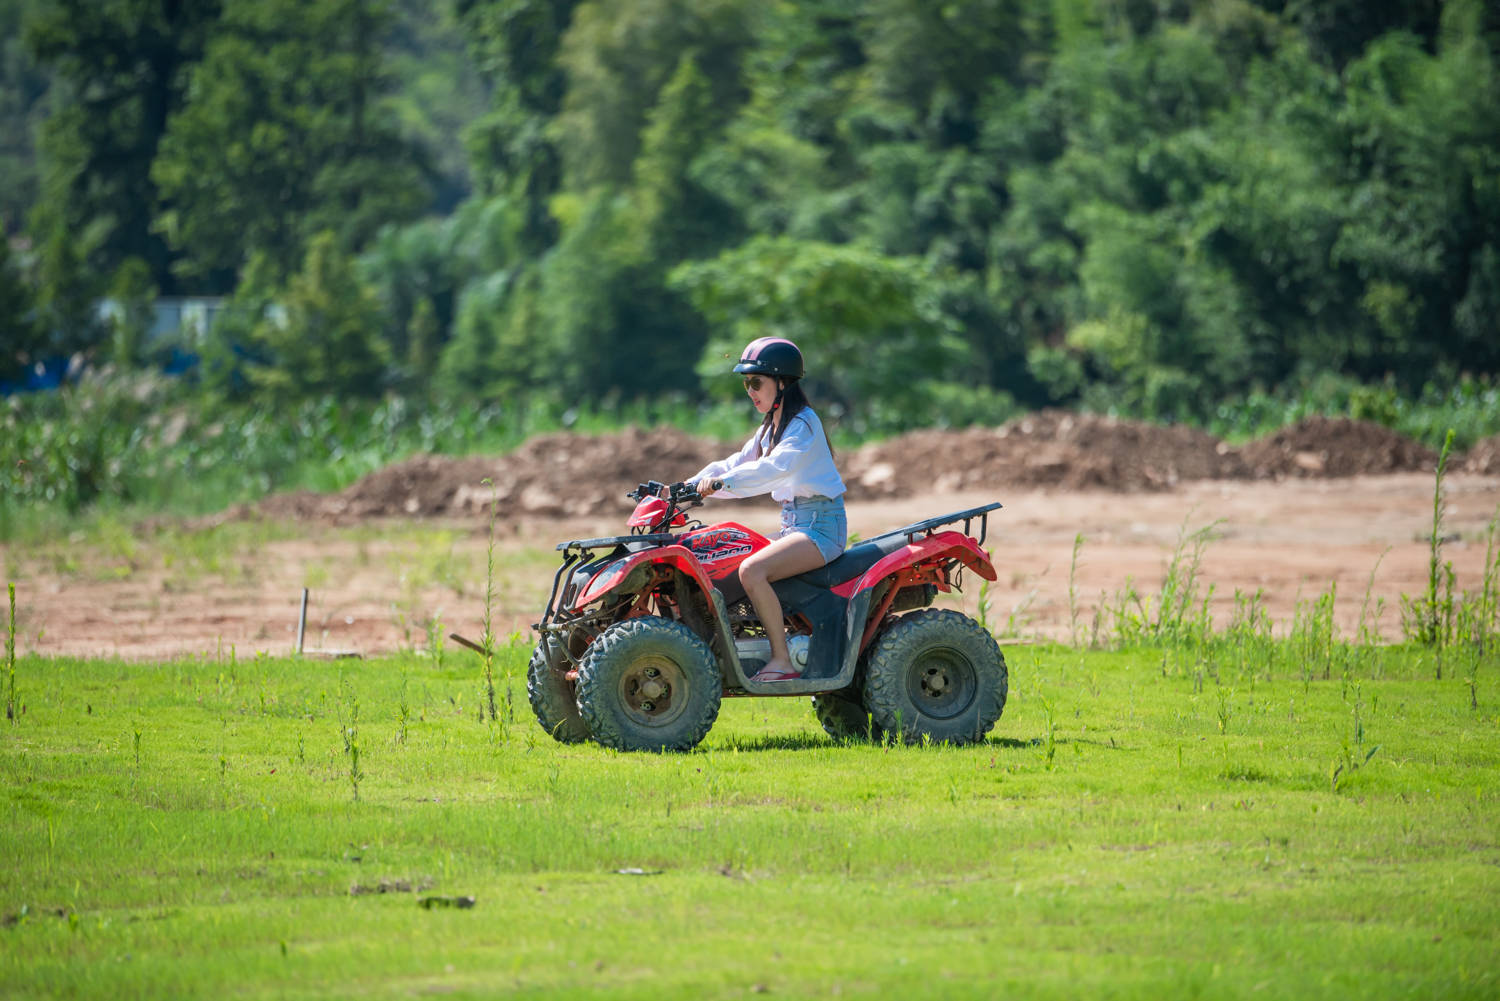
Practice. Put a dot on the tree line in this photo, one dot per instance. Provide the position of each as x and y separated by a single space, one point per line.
959 209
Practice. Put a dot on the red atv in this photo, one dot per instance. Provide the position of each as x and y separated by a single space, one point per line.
643 634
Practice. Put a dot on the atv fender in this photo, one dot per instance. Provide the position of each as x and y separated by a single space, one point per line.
933 548
632 573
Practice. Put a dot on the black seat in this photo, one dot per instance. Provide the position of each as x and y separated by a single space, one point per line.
847 566
852 562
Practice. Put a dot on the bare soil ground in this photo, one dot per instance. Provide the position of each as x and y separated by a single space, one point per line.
1321 503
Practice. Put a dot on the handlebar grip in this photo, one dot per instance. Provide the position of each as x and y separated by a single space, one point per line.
716 485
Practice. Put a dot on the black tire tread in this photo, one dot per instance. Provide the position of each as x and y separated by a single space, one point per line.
595 690
552 700
843 717
896 648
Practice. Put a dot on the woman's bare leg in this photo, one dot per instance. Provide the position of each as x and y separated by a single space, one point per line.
786 557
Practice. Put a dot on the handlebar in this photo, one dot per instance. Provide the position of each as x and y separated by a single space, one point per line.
679 498
648 489
678 493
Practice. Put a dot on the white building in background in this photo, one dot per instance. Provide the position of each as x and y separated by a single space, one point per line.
188 317
183 318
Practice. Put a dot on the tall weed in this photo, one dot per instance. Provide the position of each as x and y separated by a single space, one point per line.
1313 641
1248 639
1479 613
10 657
1429 619
1176 620
487 641
1177 615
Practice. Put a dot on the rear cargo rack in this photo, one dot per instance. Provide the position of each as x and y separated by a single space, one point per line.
931 525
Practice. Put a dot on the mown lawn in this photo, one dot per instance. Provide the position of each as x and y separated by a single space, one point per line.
1138 825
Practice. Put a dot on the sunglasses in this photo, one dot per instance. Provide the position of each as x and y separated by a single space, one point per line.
754 382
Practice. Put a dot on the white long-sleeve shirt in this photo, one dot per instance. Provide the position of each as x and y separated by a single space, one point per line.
800 465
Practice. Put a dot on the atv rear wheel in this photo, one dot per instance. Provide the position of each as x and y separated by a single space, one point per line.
844 717
552 695
649 684
936 674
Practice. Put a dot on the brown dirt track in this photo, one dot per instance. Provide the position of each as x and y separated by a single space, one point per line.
1319 502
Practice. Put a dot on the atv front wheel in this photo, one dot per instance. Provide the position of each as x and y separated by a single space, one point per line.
844 717
649 684
936 674
552 694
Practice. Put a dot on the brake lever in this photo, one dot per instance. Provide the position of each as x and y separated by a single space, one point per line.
686 493
648 489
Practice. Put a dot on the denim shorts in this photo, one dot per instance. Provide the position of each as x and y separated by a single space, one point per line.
821 519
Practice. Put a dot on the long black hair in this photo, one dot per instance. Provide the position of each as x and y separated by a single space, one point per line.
793 400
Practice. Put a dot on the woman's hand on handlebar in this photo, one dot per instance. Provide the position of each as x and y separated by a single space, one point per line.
709 486
680 489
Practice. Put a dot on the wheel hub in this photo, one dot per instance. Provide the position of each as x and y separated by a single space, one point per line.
647 690
942 683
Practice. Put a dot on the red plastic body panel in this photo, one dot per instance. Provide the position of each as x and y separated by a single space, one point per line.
721 548
649 512
941 546
607 579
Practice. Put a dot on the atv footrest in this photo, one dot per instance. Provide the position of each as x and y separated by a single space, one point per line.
791 686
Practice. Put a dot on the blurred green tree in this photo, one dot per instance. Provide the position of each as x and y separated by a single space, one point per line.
24 103
131 297
618 55
934 64
1338 31
591 316
123 66
784 161
324 335
436 91
495 350
515 44
1425 177
288 133
18 317
881 349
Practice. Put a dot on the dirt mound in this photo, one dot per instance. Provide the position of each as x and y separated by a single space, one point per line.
1484 458
1329 446
575 474
552 474
1052 448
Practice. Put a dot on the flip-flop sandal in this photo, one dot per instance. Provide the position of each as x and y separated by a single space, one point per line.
765 676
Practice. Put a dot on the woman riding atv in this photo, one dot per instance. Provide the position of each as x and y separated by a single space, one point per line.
788 457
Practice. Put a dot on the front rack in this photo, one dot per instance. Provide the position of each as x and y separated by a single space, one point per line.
656 539
576 552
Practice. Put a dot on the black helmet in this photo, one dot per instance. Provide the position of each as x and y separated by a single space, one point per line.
771 356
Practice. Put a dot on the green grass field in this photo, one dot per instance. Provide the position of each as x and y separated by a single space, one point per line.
1139 824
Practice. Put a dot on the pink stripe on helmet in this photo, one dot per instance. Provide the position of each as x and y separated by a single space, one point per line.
755 347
